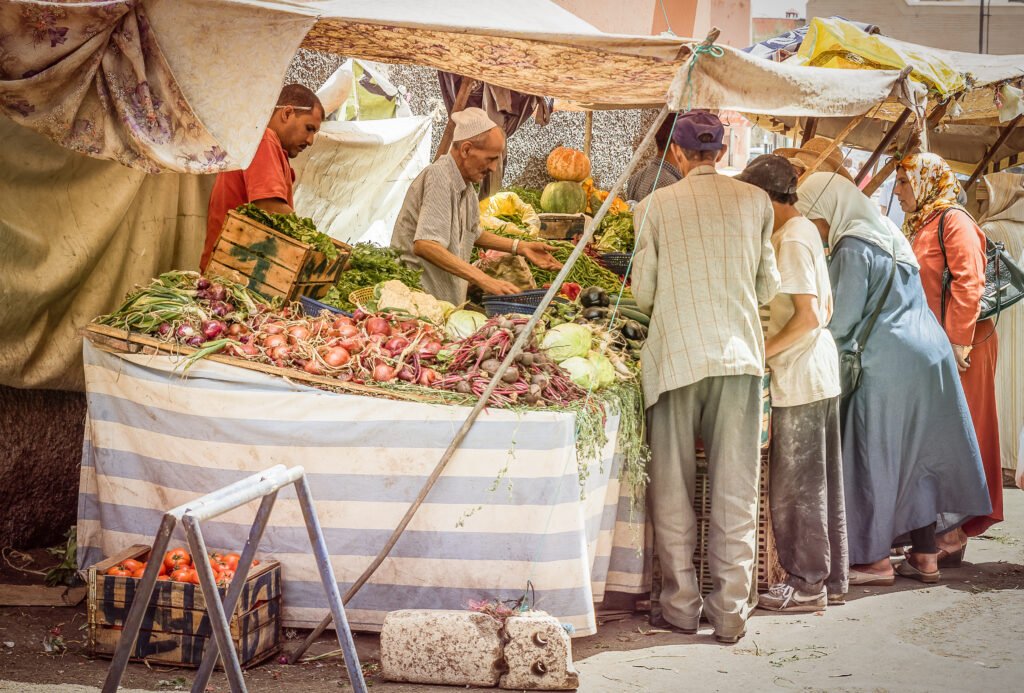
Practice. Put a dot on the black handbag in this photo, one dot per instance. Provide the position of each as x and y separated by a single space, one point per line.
850 368
1004 279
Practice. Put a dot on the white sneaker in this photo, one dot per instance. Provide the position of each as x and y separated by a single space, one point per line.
783 597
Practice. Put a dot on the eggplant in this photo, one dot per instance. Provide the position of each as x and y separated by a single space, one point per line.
595 313
594 296
633 330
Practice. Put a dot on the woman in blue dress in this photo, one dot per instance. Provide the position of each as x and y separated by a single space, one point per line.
911 463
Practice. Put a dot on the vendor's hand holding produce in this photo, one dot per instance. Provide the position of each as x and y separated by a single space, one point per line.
540 255
498 287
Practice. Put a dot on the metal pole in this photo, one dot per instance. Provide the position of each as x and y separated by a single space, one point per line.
981 26
214 607
235 588
140 602
330 582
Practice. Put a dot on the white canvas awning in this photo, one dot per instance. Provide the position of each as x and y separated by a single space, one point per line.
204 74
986 100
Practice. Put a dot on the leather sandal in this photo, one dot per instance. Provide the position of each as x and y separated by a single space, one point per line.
908 570
952 559
864 579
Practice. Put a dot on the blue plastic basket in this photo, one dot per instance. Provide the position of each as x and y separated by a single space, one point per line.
617 262
313 307
524 303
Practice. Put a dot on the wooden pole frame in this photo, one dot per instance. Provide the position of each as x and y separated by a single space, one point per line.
883 145
835 144
588 132
883 173
461 99
992 151
809 131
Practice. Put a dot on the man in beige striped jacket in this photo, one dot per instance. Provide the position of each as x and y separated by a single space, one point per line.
704 262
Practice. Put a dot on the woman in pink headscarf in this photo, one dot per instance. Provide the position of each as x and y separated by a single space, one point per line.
928 190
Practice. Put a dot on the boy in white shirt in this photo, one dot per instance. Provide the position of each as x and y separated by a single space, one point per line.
806 484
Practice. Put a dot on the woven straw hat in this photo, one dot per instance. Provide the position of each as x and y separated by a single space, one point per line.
804 157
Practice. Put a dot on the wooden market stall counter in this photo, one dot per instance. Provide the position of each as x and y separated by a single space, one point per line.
157 436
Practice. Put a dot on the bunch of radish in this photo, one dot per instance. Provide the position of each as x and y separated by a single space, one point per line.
532 379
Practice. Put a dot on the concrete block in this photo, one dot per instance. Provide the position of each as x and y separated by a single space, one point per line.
457 648
538 654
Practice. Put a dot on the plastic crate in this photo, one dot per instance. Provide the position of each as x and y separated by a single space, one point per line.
313 307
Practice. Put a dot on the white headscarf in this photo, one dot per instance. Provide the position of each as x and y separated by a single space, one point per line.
849 212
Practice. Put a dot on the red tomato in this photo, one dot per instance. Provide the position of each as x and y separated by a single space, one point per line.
178 555
215 556
163 569
131 565
181 574
137 573
162 577
193 577
231 559
118 571
225 578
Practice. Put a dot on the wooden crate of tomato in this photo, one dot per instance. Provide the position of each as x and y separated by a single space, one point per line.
176 627
273 263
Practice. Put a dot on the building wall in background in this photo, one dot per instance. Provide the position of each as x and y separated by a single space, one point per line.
612 16
952 25
763 28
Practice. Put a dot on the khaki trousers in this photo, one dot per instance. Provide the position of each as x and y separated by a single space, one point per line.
725 413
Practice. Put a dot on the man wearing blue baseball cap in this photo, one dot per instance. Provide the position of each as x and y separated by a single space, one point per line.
704 262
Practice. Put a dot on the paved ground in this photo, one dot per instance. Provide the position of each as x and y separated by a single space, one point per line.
966 634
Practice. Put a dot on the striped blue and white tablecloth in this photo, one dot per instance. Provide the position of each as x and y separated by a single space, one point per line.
506 512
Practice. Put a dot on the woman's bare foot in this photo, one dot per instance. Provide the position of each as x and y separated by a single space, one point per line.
925 562
950 542
881 567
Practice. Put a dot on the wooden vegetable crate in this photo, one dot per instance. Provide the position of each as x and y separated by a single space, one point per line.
176 627
272 263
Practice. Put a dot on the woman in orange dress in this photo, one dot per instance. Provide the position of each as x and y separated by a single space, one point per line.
928 189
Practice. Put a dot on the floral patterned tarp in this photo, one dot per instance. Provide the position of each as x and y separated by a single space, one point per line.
92 77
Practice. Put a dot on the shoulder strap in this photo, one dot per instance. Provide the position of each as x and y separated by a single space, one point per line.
946 276
862 339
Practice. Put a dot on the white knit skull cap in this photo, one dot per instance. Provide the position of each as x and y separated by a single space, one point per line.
470 123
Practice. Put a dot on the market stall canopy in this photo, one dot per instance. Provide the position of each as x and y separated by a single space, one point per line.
187 85
978 94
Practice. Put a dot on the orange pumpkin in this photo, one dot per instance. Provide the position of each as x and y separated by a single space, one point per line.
568 164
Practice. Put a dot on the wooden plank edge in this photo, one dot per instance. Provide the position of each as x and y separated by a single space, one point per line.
134 338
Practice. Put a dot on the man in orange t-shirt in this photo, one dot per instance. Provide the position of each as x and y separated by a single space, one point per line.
267 183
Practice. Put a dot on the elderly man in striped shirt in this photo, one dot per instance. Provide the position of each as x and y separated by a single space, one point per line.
704 262
439 222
